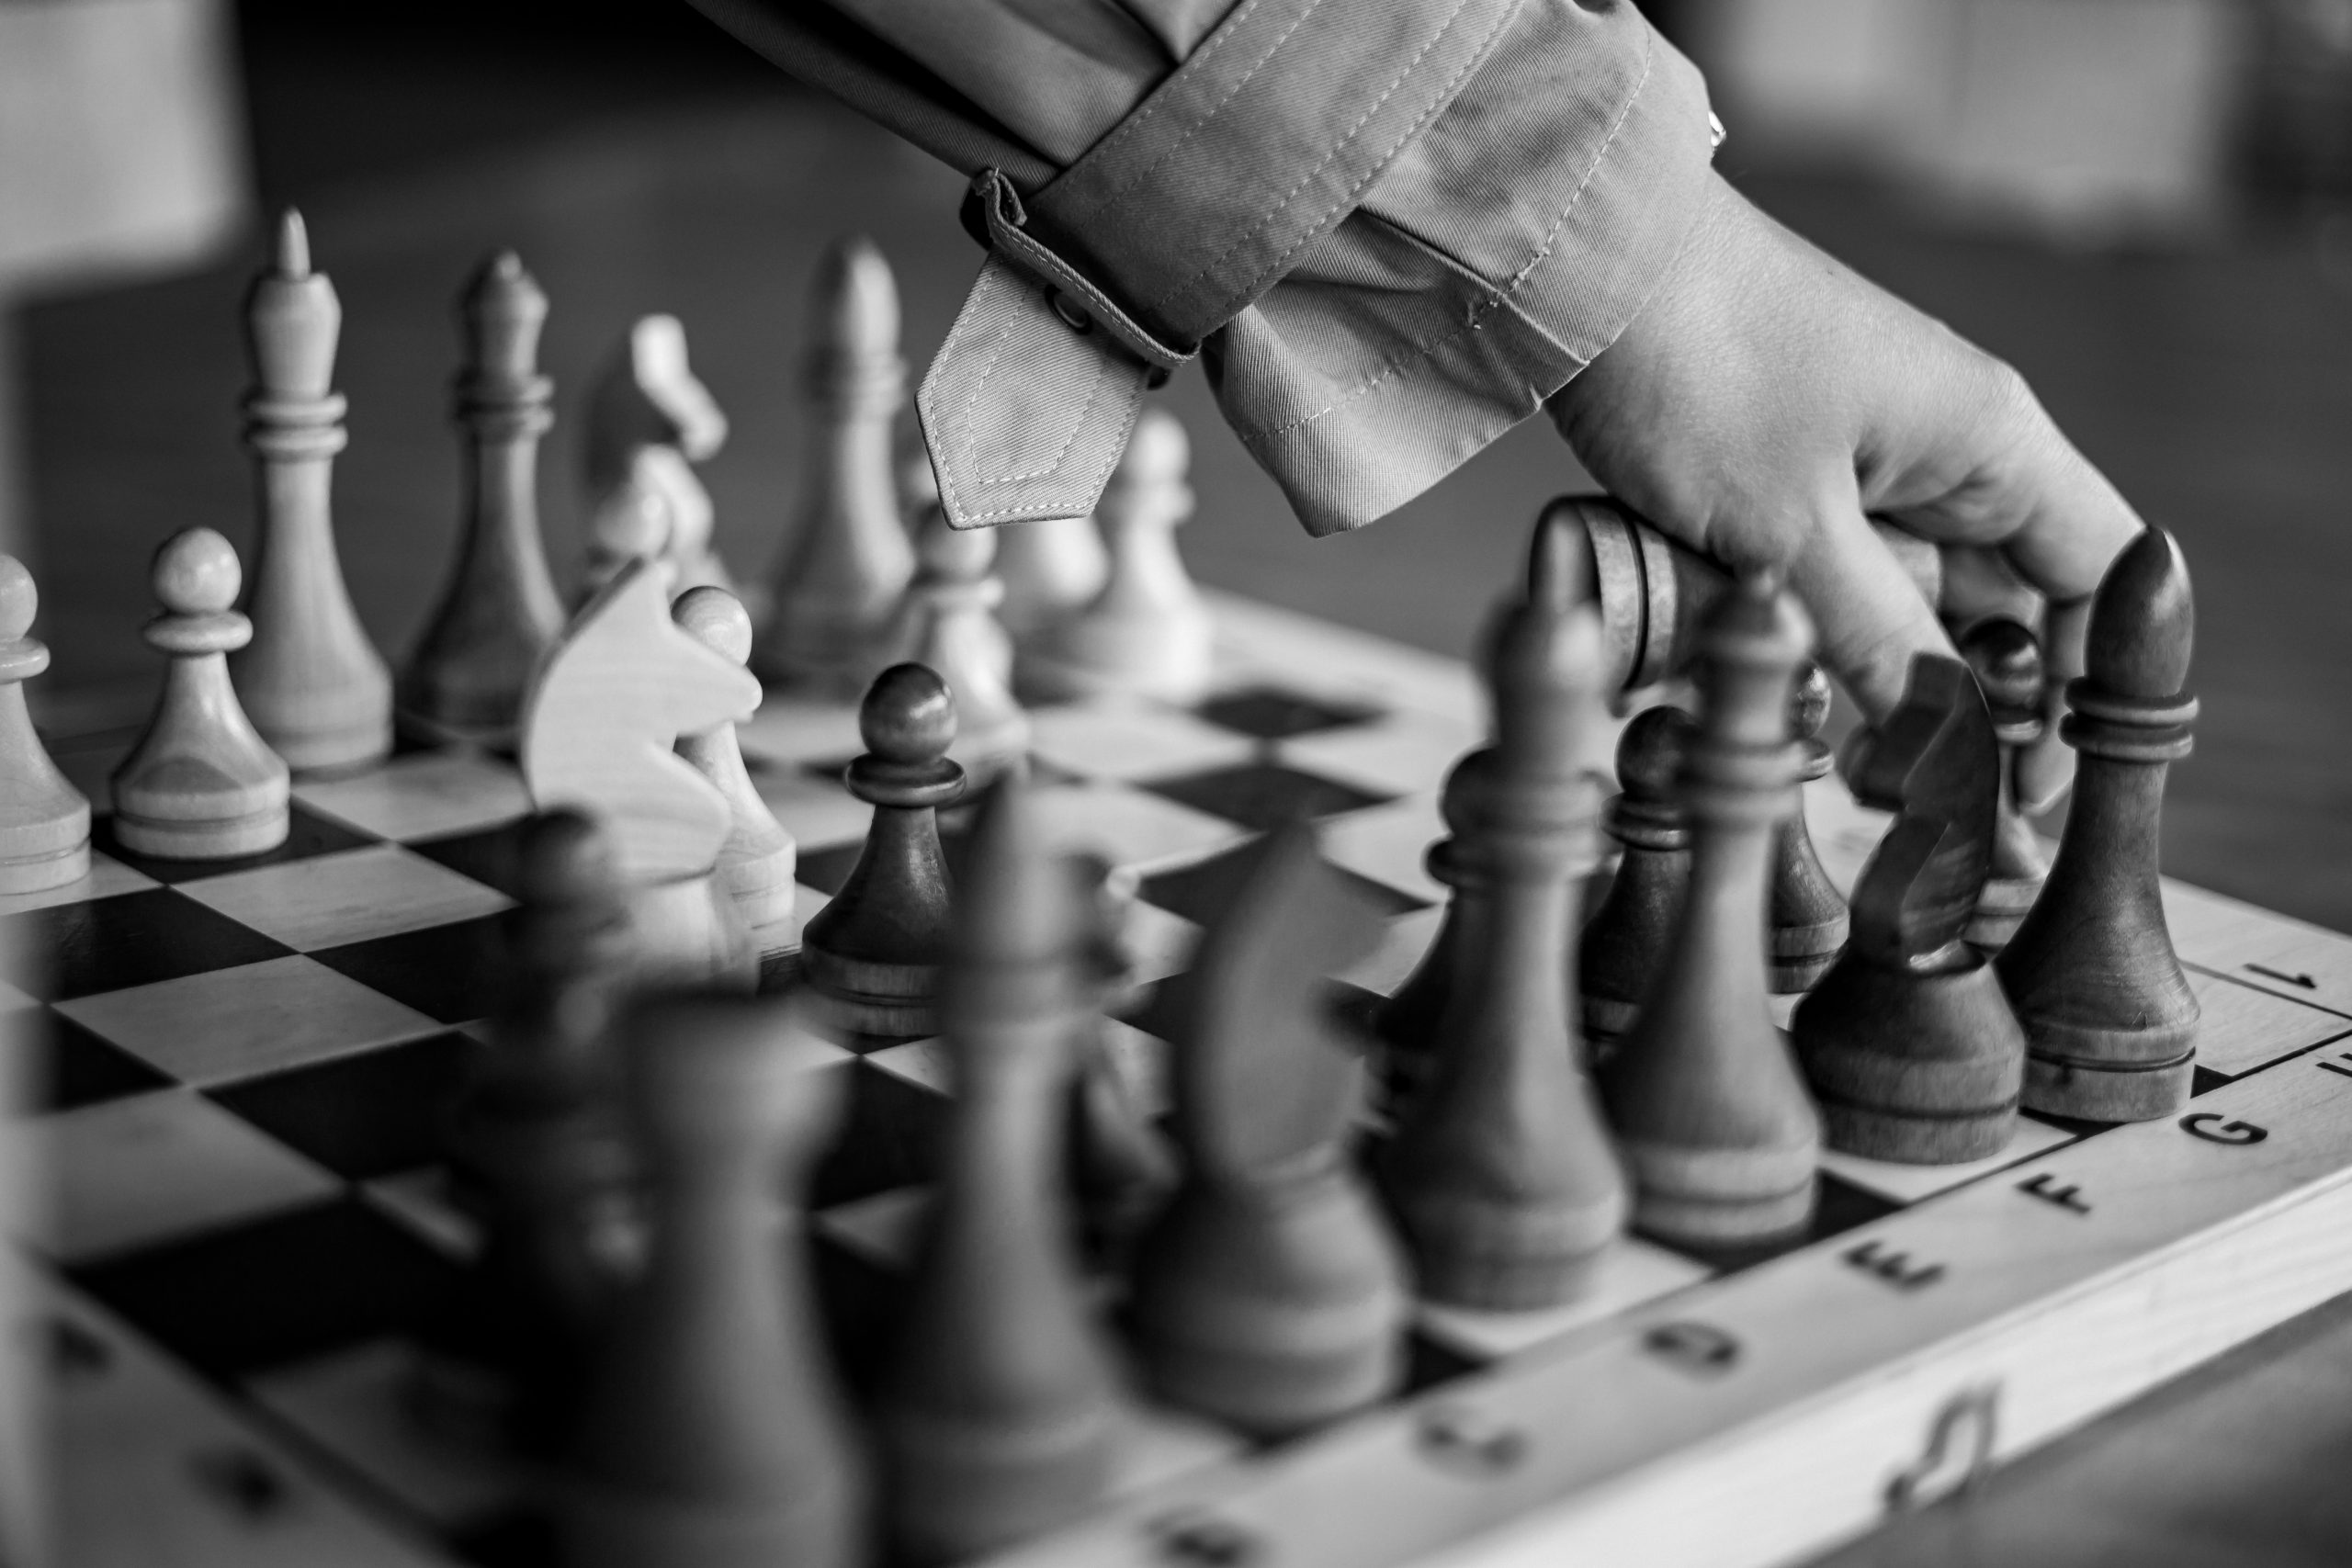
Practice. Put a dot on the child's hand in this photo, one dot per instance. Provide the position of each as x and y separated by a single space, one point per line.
1767 398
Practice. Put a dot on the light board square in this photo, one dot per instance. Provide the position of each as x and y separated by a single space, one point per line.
1387 843
1127 741
1404 754
356 895
1403 943
884 1229
227 1024
420 1200
2242 1028
428 795
107 877
789 732
158 1166
1137 830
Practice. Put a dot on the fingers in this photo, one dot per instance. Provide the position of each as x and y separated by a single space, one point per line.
1870 616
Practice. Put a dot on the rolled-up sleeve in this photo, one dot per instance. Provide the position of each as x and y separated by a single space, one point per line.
1491 259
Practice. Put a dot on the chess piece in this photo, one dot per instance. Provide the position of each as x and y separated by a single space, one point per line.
1406 1023
1624 945
999 1413
712 1432
1052 569
499 615
874 952
600 731
649 420
199 784
44 820
756 862
1655 592
1270 1294
2110 1021
846 559
1147 633
951 627
2007 662
1809 918
1704 1094
534 1142
1908 1044
311 681
1121 1168
1500 1173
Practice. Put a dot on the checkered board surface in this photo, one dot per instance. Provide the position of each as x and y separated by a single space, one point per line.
246 1231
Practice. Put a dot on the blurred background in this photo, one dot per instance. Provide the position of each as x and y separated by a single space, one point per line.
2146 205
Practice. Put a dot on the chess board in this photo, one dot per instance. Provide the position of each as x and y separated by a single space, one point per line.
246 1233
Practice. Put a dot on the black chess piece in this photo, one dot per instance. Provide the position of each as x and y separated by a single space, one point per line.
1406 1023
1908 1043
1809 919
1624 942
2110 1021
2008 660
873 952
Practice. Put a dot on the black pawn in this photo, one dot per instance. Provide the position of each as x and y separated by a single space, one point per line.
1809 918
873 952
2110 1021
1908 1043
1625 944
2008 662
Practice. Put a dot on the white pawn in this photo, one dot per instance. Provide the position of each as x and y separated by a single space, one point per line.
756 863
44 820
951 627
200 785
1052 568
1146 633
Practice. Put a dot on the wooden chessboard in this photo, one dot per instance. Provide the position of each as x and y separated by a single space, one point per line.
248 1232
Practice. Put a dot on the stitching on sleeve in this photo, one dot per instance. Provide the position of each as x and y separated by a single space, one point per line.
1422 348
1551 235
1136 120
1320 166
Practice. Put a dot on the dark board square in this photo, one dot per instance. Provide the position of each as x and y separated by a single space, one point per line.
362 1116
2202 1080
889 1138
1263 795
308 837
1272 713
448 973
491 856
825 870
1201 891
1428 1363
76 1067
237 1302
133 939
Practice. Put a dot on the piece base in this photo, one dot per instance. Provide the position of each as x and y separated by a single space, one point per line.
2108 1094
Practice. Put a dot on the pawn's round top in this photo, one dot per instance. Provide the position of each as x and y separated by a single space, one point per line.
716 619
2008 660
565 857
1809 703
1458 798
1650 752
195 573
908 716
2143 621
953 555
20 599
1158 452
